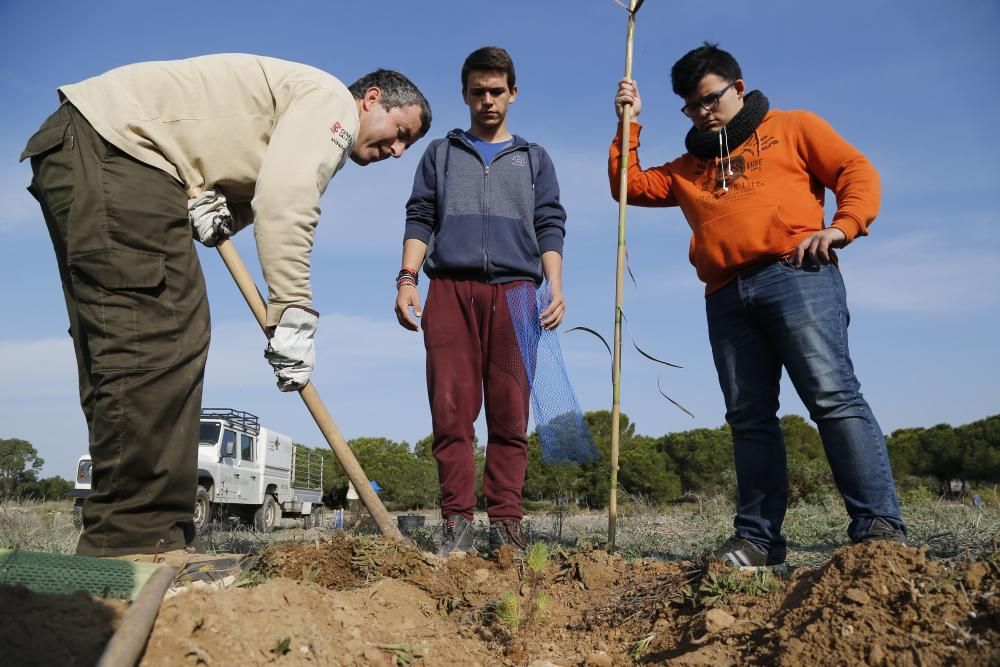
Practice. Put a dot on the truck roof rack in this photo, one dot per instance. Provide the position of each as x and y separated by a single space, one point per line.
245 420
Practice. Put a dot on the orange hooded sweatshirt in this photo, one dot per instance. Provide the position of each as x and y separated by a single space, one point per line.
772 201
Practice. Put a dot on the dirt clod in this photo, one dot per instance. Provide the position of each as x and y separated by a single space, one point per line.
717 620
857 595
599 659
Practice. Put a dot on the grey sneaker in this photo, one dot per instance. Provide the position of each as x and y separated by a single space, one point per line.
211 569
882 530
747 556
458 534
507 532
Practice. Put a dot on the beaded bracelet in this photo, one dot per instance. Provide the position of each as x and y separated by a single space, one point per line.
406 276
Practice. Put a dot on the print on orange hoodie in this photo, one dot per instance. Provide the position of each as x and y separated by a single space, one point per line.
770 203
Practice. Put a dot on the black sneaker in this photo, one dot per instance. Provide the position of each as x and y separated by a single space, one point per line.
507 532
458 534
882 530
747 556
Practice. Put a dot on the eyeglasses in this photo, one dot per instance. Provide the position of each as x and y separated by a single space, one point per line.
709 103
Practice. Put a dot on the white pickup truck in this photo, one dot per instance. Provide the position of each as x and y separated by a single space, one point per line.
244 470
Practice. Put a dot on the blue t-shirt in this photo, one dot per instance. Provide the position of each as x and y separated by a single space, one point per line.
485 148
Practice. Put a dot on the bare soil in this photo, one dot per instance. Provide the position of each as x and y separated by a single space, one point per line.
364 601
41 629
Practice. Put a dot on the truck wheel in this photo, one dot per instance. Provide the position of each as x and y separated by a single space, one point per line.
202 509
314 519
78 514
266 516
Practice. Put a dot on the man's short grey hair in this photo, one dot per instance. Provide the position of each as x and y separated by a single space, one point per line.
397 91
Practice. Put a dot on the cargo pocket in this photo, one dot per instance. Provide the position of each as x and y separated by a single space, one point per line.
49 150
128 319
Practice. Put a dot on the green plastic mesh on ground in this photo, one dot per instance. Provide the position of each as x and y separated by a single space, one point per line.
61 574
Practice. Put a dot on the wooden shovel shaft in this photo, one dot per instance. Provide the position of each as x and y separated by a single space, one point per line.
129 641
312 400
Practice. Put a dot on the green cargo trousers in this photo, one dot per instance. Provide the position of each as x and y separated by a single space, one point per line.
138 315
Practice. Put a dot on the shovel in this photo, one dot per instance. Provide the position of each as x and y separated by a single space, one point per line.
312 400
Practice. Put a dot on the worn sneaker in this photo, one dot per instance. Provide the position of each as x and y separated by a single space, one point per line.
882 530
507 532
747 556
213 568
191 566
458 534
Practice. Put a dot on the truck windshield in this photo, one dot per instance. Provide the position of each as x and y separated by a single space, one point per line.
208 436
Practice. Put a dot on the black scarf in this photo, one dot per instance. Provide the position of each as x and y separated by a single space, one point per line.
705 144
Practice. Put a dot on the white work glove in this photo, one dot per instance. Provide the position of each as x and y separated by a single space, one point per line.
211 221
291 350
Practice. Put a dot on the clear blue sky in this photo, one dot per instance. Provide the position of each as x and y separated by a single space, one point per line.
914 85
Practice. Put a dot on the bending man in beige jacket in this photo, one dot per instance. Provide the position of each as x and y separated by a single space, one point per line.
239 139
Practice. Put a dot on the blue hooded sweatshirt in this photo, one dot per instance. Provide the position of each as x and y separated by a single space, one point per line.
485 222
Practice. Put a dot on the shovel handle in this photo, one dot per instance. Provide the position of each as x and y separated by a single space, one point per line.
311 398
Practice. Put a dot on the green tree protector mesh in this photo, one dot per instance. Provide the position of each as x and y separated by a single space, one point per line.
62 574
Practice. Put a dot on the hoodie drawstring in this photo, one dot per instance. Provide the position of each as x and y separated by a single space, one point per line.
729 156
531 169
725 160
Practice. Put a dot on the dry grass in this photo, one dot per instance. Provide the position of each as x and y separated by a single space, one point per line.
232 538
38 526
950 530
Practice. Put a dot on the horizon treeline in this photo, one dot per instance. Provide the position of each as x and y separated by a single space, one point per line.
943 459
664 469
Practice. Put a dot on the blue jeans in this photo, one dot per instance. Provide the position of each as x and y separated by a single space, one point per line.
778 316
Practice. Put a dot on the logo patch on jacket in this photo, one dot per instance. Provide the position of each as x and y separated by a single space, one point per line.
341 137
518 160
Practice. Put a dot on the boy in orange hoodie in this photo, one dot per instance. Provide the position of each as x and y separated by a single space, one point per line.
751 186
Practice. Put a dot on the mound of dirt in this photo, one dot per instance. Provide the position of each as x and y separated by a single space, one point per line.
880 603
872 604
339 562
296 623
365 601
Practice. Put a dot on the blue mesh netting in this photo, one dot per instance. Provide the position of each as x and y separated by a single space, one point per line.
561 430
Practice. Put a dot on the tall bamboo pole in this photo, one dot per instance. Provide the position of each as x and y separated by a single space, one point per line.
616 363
312 400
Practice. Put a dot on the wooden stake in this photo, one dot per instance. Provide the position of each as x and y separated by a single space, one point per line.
616 363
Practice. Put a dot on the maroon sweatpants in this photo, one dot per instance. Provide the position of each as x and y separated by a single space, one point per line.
472 353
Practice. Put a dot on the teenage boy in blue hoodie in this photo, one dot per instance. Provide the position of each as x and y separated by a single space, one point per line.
485 214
